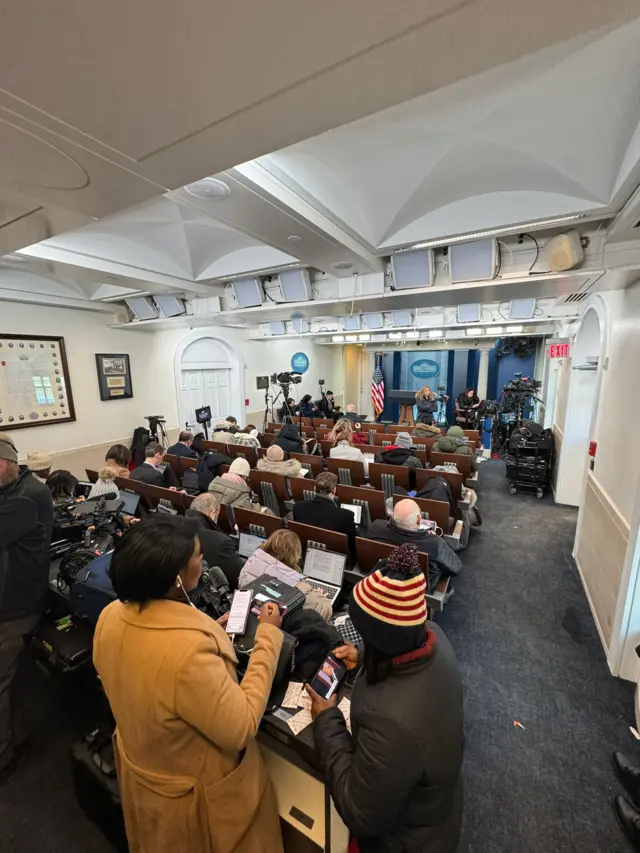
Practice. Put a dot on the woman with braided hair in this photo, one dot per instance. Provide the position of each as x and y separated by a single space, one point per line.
396 779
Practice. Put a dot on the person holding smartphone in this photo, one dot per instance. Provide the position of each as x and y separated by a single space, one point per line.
396 780
190 773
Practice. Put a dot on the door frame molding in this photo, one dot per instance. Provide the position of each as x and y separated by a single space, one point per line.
235 365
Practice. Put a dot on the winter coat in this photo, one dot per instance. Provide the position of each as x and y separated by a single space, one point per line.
208 468
426 409
289 439
139 441
232 494
343 450
218 549
308 410
246 440
164 478
222 436
288 467
26 525
448 444
396 781
422 430
442 560
189 769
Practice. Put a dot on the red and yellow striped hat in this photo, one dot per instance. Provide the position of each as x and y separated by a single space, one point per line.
388 607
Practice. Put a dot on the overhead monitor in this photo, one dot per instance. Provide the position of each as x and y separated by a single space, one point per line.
142 308
374 321
402 318
412 269
295 285
351 324
477 261
248 292
469 313
170 306
521 309
276 327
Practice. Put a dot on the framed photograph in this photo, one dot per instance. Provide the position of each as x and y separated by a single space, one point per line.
114 376
35 389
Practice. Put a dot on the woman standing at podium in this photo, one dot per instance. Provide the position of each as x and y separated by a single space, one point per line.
427 405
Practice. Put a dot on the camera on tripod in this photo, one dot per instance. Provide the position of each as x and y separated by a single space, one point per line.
441 396
522 385
286 378
156 424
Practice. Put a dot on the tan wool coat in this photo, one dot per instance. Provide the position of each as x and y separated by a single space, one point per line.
190 773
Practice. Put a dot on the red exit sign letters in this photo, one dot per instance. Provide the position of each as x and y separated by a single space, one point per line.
559 350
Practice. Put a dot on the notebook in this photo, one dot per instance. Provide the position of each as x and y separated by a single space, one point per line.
324 570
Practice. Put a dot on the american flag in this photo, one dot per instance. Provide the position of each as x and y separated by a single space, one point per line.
377 386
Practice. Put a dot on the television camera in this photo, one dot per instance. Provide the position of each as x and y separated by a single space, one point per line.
83 531
522 386
284 380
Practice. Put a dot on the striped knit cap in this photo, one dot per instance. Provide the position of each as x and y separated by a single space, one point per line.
388 607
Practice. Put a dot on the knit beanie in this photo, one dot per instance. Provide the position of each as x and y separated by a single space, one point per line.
403 439
104 485
455 432
240 466
388 607
275 453
8 450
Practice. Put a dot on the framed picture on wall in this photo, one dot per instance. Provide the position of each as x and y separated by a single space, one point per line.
35 389
114 376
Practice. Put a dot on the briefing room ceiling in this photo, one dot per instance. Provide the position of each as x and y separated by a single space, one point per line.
334 131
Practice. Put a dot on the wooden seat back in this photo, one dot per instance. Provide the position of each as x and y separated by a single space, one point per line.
307 460
369 553
92 476
248 453
355 469
246 517
299 486
400 473
374 498
463 463
278 481
331 539
218 446
454 480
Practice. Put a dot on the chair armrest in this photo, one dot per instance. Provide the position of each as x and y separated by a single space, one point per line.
453 539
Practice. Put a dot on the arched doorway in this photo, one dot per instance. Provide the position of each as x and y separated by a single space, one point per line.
208 372
586 369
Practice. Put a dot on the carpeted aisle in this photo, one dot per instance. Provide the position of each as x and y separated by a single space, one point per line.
529 650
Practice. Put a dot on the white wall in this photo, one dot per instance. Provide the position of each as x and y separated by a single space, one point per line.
259 358
86 333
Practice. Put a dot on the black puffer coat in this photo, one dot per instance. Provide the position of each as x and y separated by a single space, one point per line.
395 455
426 410
396 782
208 468
289 439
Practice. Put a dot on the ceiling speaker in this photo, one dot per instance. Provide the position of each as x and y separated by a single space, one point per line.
564 252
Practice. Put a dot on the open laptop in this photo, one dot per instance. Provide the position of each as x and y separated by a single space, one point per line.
130 502
324 570
356 509
368 458
190 480
248 543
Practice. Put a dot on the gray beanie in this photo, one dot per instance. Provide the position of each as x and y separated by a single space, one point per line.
8 450
403 439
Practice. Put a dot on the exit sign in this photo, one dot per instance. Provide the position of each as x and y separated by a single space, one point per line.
559 350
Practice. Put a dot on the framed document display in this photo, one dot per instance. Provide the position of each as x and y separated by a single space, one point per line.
114 376
35 389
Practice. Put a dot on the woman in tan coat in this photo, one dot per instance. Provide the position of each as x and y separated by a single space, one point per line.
189 769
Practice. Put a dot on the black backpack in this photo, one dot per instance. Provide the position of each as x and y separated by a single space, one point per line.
438 489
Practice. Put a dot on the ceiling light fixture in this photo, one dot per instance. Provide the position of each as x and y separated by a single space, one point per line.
395 336
473 333
413 336
338 339
364 337
515 330
351 338
491 232
494 330
342 266
294 238
436 333
209 189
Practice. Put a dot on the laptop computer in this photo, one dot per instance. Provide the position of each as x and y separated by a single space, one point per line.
248 543
130 502
356 509
324 570
190 480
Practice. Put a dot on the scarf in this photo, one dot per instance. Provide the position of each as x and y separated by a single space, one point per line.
235 478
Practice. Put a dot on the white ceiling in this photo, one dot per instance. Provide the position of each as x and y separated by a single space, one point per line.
490 115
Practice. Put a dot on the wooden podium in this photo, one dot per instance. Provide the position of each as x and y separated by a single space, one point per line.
407 400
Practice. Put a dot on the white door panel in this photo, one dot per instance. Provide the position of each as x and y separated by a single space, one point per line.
211 387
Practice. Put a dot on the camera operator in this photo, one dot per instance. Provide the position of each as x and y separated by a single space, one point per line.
307 407
467 405
152 471
327 405
26 524
427 405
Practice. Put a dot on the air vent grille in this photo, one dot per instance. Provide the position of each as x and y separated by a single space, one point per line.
572 298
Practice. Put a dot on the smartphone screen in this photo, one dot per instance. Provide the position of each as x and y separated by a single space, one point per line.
327 679
239 611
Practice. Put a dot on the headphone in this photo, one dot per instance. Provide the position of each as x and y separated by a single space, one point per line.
180 585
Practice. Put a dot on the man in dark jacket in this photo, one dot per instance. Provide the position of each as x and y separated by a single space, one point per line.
403 527
218 549
152 471
401 453
324 510
396 780
183 446
26 524
208 466
289 439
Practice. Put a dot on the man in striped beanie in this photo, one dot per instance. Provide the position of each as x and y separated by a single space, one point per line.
395 780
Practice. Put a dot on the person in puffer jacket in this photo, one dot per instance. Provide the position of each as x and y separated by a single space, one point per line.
453 442
232 488
275 463
425 431
289 439
401 453
396 779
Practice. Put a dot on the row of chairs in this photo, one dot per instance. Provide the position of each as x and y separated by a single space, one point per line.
258 524
319 428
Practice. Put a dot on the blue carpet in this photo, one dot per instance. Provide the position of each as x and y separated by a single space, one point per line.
529 651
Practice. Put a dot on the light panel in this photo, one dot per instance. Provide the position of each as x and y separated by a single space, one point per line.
521 309
402 318
412 336
170 306
142 308
374 321
351 338
412 269
351 324
295 285
364 337
338 339
277 328
300 325
469 312
475 261
473 333
436 333
395 336
247 291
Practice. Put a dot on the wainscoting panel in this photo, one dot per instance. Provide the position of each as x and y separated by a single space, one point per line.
557 436
600 549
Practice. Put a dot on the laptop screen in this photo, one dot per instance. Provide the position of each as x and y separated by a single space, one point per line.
190 479
248 543
356 509
130 502
324 566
